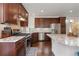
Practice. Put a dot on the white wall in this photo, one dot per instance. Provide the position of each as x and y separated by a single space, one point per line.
31 21
30 24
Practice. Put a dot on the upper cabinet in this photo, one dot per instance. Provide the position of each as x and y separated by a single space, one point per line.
24 16
22 11
12 12
45 22
63 25
23 23
5 13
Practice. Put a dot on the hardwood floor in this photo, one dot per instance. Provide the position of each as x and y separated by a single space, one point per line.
44 48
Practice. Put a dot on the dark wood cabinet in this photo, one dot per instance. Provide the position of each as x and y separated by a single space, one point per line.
22 11
3 12
34 38
45 22
37 22
24 23
63 25
21 47
24 14
13 8
11 12
13 48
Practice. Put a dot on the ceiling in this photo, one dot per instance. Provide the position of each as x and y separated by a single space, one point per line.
52 9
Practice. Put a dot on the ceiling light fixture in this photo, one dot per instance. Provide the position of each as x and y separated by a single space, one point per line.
70 11
71 21
42 11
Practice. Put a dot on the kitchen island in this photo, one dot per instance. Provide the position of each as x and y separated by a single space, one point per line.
11 39
13 46
63 45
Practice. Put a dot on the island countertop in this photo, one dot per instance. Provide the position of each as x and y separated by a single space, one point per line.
63 45
64 39
11 39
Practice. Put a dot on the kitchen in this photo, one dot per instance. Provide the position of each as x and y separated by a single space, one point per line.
26 29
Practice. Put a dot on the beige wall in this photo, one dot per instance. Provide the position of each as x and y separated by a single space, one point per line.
75 27
74 24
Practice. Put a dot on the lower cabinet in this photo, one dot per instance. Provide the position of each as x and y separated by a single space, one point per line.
13 48
21 52
35 37
20 47
46 37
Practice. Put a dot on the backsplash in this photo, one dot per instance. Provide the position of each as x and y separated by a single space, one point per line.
1 28
8 25
42 30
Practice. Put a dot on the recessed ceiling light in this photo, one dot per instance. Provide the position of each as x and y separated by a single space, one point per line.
70 11
42 11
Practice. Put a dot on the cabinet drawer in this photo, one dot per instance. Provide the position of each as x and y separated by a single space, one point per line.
19 46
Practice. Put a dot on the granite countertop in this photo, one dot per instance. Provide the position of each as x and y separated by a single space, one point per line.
63 45
11 39
64 39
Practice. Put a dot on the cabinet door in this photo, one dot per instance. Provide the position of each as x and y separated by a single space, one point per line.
63 25
5 12
20 10
35 38
62 20
23 23
46 23
20 47
9 13
13 13
37 22
22 51
22 13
